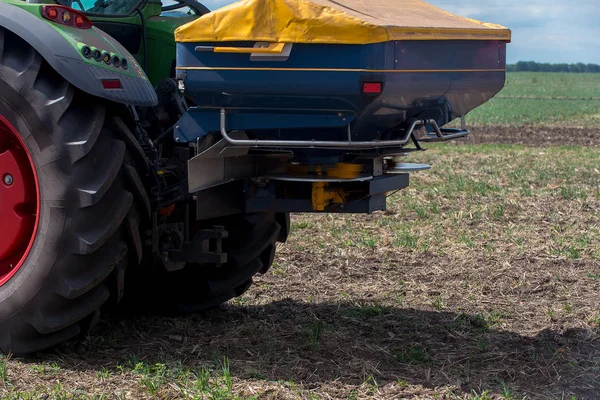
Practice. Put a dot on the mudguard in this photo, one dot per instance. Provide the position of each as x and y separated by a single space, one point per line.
72 66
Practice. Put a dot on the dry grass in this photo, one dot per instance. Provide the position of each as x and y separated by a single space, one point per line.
482 281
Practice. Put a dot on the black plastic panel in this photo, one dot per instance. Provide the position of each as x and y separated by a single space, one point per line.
130 36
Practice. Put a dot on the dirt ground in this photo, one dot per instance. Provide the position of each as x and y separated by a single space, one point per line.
535 136
481 281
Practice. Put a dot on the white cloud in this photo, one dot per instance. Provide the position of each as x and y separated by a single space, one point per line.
543 30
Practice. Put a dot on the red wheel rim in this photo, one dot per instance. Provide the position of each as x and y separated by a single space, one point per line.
19 201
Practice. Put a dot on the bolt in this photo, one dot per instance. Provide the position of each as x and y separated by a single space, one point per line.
8 179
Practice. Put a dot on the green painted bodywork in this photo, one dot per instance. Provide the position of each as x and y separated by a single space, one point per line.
79 38
159 36
161 45
32 8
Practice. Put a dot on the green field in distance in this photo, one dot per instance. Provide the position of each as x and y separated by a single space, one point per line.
543 98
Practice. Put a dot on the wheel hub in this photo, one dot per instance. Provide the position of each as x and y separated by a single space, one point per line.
19 201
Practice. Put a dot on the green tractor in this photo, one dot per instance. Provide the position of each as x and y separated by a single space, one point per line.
86 192
145 174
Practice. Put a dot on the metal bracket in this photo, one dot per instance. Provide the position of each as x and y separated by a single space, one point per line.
323 195
223 163
445 134
360 197
205 248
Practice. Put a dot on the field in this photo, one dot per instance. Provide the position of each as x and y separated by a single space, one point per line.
557 99
481 281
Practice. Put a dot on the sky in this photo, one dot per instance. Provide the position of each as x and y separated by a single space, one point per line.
553 31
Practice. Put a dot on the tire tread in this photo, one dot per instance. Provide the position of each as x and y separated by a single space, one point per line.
94 195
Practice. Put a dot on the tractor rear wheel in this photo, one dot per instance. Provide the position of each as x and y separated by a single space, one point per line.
69 197
250 249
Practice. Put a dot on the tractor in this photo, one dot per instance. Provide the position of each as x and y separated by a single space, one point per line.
114 194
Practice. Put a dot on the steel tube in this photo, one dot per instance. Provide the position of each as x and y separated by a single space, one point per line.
322 144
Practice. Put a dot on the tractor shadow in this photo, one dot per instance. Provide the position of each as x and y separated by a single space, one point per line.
319 344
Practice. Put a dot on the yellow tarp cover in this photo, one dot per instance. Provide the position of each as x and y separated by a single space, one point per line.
335 22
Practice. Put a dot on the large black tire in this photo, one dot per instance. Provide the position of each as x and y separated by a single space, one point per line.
250 248
91 203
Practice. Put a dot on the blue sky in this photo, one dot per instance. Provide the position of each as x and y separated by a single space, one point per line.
543 30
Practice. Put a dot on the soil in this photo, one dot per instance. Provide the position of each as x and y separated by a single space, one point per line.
535 136
462 290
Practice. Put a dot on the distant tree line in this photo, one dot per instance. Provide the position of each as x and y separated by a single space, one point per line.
532 66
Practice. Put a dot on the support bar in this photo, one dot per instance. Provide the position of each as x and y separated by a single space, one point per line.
445 134
321 144
440 135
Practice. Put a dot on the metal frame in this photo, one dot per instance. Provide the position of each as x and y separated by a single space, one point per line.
441 135
444 134
228 163
372 197
198 7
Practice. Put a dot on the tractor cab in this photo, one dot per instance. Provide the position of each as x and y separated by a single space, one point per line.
142 27
123 8
101 7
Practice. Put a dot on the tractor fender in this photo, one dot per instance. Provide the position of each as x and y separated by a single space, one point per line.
68 63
